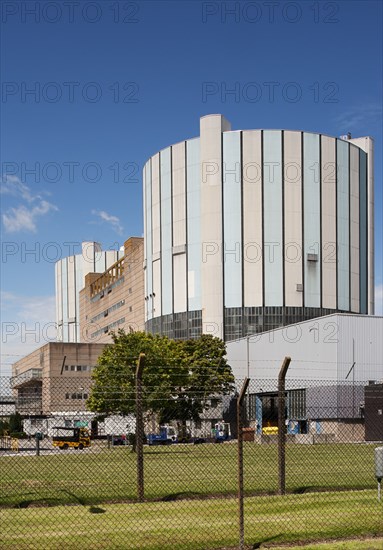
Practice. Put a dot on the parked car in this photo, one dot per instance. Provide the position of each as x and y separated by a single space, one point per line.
119 439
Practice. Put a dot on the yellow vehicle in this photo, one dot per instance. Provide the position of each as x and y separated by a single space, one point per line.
270 430
74 438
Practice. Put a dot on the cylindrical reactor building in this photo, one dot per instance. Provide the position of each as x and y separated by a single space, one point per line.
246 231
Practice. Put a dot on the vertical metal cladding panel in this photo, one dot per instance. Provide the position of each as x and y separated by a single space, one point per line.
194 244
311 216
179 194
71 266
180 298
329 245
59 292
371 222
64 273
156 237
144 200
166 232
156 298
156 205
179 225
252 217
80 282
273 238
293 217
354 228
101 261
363 229
343 225
366 331
232 219
88 258
59 300
148 240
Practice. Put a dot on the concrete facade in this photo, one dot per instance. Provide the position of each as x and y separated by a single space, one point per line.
114 299
55 377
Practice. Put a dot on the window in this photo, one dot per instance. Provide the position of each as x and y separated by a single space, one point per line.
67 396
78 368
66 367
72 367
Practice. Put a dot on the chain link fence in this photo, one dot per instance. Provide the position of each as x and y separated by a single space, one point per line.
74 478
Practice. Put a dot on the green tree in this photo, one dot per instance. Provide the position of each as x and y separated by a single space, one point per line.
208 375
4 427
15 423
177 379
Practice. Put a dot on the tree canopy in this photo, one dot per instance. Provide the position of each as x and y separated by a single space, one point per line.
178 379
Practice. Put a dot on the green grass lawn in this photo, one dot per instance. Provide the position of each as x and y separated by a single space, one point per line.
195 524
108 475
99 483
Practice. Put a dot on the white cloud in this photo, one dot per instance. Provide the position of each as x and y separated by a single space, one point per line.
22 217
11 185
361 115
112 220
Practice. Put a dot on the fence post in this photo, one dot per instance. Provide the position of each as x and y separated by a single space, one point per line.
282 427
140 429
240 463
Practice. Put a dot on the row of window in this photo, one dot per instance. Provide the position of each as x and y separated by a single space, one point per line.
107 290
240 322
180 326
106 312
76 396
106 329
78 368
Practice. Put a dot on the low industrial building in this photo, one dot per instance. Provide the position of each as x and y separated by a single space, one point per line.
336 364
54 378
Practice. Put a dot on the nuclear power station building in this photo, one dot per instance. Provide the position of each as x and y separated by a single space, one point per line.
250 230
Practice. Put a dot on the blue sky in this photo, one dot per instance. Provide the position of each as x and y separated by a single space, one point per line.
114 82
